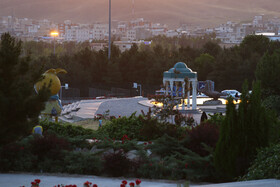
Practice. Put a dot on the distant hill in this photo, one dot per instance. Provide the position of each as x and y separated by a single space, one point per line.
172 12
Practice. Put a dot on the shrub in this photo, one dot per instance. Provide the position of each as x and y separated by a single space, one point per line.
142 128
204 133
16 157
83 163
116 164
48 146
67 130
266 165
118 127
177 166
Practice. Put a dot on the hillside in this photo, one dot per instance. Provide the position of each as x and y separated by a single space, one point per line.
172 12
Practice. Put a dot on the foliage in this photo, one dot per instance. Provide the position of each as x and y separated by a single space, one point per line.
266 165
16 157
17 95
66 129
116 164
273 103
179 166
243 131
268 73
140 128
83 163
206 133
48 146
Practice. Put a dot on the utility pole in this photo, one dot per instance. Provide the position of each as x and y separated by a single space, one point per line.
109 47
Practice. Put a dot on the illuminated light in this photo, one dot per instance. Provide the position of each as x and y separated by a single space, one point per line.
199 101
54 33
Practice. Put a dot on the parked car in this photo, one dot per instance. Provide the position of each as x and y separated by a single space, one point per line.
232 93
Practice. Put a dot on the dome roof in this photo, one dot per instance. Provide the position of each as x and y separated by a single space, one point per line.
180 70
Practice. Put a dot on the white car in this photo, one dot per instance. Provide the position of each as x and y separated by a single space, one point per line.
232 93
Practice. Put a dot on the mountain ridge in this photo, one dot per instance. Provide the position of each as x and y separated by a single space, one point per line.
172 12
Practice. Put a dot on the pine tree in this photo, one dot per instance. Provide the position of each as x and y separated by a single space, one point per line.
243 131
20 106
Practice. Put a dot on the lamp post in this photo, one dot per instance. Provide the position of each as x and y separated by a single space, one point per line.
109 47
54 34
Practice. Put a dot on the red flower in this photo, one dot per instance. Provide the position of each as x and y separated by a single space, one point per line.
138 181
37 181
87 183
151 164
131 184
145 143
95 185
150 142
124 182
33 183
122 185
186 165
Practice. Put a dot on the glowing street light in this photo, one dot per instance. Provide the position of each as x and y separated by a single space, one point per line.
54 34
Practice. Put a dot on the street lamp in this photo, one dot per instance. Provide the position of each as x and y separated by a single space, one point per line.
109 47
54 34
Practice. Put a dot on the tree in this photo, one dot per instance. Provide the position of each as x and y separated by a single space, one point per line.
20 106
204 65
243 131
268 73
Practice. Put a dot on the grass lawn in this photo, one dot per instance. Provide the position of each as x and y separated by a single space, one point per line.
89 124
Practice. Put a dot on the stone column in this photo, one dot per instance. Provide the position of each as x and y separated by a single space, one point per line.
183 94
194 95
166 88
188 93
171 87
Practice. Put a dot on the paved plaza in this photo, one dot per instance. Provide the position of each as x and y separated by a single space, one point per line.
126 107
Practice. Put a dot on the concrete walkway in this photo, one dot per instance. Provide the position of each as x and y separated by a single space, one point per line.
50 180
17 180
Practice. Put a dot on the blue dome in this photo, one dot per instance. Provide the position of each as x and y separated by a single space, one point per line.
180 70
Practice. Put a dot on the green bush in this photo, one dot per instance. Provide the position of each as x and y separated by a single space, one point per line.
266 165
16 157
116 128
116 164
141 128
83 163
178 166
66 129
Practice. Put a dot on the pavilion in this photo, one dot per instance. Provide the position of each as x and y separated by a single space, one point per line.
181 74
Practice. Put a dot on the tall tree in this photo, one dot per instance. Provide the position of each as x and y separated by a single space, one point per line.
20 106
243 131
268 73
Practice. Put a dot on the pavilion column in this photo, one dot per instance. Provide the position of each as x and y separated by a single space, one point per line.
183 94
177 93
171 87
188 93
177 88
194 95
166 88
